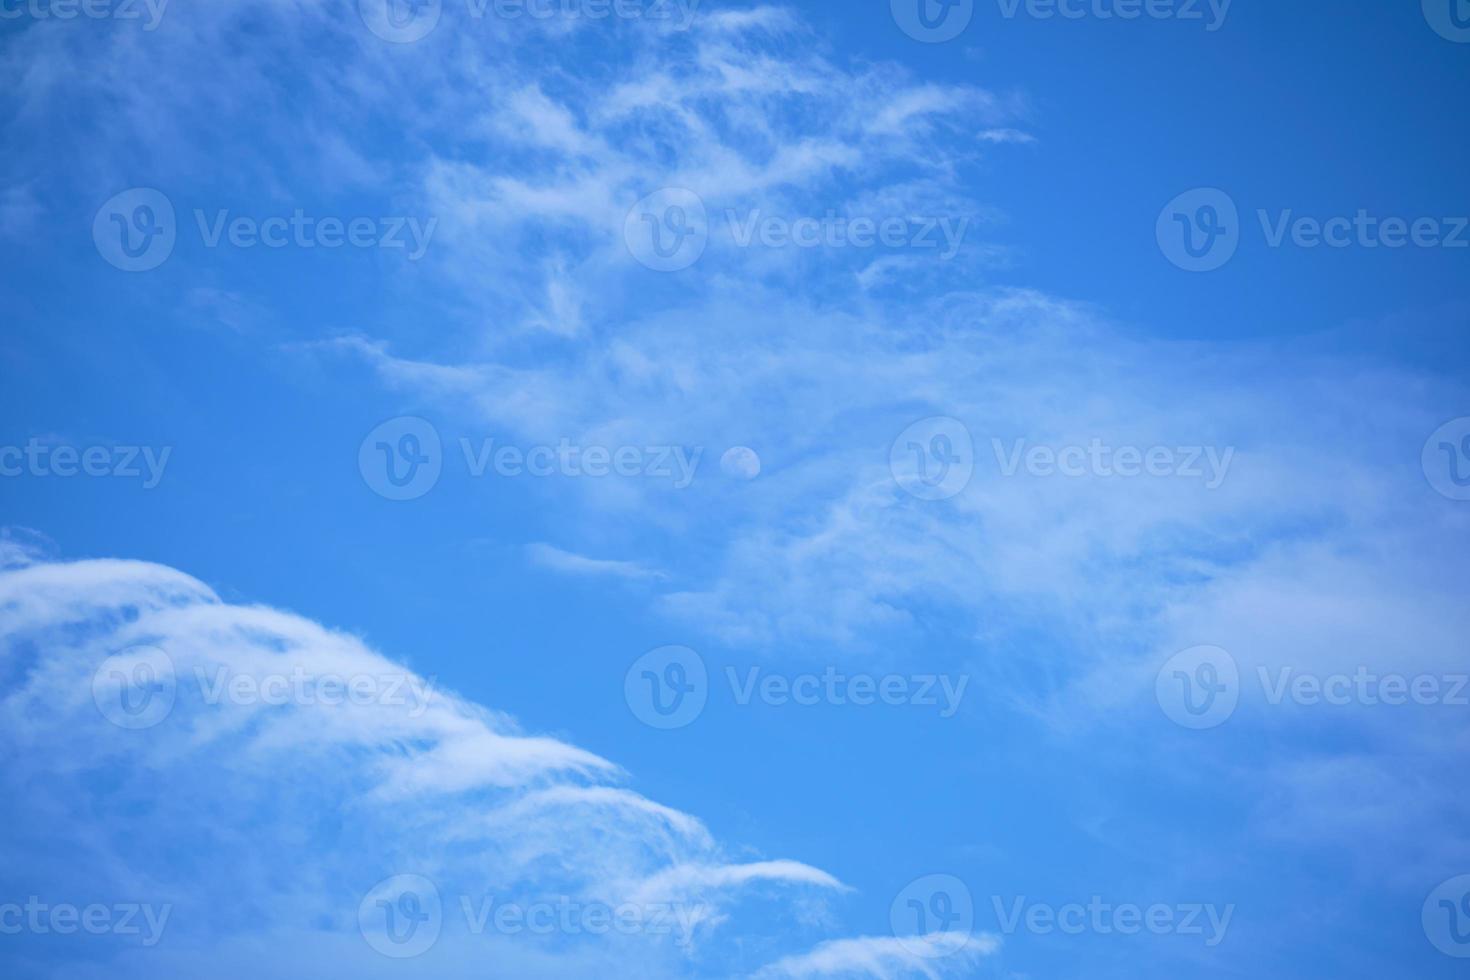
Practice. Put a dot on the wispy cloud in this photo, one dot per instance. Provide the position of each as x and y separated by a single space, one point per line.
557 560
888 957
1006 136
418 779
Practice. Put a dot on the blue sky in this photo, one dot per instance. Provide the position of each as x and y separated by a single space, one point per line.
912 401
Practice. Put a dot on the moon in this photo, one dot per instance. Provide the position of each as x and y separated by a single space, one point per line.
741 462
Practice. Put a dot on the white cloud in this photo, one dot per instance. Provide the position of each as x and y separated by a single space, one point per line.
695 879
301 803
1070 589
1006 136
741 21
569 563
888 957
